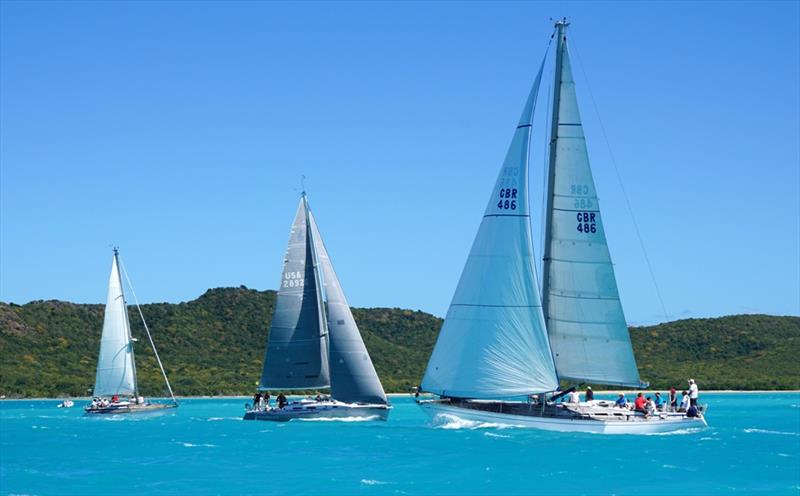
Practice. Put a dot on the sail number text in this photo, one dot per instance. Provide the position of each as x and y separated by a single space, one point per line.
508 199
587 222
292 279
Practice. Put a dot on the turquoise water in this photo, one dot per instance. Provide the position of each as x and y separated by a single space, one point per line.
752 446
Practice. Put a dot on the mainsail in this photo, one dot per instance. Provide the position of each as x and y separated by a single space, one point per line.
297 351
588 334
493 342
116 372
353 377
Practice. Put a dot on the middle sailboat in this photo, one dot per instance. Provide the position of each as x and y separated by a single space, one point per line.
500 339
314 342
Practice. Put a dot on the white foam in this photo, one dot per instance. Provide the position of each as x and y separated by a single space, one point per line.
452 422
204 445
765 431
373 482
679 432
217 419
492 434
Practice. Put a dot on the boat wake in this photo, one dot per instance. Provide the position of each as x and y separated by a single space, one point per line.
679 432
192 445
765 431
368 418
452 422
373 482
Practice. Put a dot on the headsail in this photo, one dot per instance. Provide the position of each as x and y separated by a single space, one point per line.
585 322
116 372
353 377
493 342
297 356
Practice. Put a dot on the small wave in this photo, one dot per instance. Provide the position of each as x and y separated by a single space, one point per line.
766 431
217 419
373 482
708 439
679 432
204 445
669 466
39 427
452 422
784 455
339 419
492 434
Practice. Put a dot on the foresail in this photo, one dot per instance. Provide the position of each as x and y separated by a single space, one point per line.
585 321
353 377
115 369
296 356
493 342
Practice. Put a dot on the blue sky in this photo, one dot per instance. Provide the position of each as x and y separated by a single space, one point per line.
179 132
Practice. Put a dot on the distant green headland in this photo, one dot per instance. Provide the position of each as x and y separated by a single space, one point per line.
214 345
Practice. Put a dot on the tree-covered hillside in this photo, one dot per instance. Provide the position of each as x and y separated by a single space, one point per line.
215 345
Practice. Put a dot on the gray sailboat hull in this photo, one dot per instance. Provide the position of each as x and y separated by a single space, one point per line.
321 410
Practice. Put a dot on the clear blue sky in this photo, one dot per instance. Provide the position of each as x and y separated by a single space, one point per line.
179 132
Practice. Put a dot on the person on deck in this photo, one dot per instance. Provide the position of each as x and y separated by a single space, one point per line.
673 399
638 403
649 406
694 392
658 401
684 402
589 393
265 398
281 400
115 399
257 401
692 412
573 397
621 401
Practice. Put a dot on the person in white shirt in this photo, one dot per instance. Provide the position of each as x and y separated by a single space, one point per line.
684 402
693 392
574 397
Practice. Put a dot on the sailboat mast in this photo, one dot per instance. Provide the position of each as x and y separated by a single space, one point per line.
323 320
127 323
561 28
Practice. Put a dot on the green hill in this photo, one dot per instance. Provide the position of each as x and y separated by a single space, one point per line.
215 345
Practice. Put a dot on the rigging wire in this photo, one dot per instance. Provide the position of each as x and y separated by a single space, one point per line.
621 185
152 344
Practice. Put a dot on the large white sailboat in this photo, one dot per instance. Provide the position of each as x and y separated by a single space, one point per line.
116 390
504 347
314 342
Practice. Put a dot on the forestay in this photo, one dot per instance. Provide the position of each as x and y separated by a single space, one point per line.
296 356
353 377
115 368
493 342
585 321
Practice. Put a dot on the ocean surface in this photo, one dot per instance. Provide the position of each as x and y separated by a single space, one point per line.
751 447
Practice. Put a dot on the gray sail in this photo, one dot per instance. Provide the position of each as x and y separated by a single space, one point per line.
116 372
493 342
585 322
297 356
353 377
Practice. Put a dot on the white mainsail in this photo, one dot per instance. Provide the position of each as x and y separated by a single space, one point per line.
586 325
297 351
116 372
353 376
493 342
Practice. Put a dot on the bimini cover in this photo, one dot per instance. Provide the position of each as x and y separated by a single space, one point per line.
587 328
353 377
493 342
296 356
115 373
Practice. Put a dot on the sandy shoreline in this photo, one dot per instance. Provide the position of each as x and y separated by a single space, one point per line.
398 395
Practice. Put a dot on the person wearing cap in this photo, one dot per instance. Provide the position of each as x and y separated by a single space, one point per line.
589 393
694 392
621 401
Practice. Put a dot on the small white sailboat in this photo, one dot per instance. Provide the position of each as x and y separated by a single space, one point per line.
116 390
66 404
500 340
314 342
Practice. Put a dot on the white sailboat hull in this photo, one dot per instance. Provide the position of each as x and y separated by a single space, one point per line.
634 424
321 410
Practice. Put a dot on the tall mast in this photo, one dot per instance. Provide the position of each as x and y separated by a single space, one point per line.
127 323
561 28
323 321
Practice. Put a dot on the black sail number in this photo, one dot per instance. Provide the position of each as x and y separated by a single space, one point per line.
587 222
508 199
